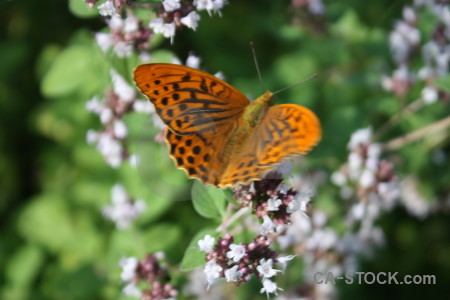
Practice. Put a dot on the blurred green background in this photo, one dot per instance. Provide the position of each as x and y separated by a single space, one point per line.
54 242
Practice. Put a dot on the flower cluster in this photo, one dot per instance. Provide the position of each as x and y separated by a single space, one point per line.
175 14
365 175
238 262
119 100
123 210
272 200
125 36
150 272
405 44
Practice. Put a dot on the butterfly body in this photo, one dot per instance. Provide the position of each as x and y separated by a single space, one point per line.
215 133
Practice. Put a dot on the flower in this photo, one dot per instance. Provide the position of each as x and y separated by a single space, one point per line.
191 20
269 287
122 211
125 91
104 40
129 266
171 5
233 274
265 268
236 253
209 5
430 95
282 261
131 290
206 244
120 129
212 271
166 29
273 204
107 9
193 61
267 226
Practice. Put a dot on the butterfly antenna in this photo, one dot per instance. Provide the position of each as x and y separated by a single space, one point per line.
298 83
252 45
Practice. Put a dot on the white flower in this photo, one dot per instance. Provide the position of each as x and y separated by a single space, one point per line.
409 14
429 95
130 24
106 115
209 5
143 106
267 226
269 287
220 75
120 129
123 49
171 5
104 40
273 204
94 105
206 244
367 178
233 274
193 61
107 9
129 266
236 253
361 136
322 239
338 178
131 290
116 23
166 29
110 148
123 211
265 268
212 271
191 20
92 136
122 88
283 260
299 202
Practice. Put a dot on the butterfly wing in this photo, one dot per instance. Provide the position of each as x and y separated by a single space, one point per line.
284 130
201 157
190 101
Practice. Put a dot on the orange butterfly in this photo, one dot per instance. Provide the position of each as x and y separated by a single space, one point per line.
215 133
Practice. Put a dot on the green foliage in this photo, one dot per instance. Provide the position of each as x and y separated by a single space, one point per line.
56 243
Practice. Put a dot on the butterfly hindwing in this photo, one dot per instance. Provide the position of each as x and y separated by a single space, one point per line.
284 130
189 101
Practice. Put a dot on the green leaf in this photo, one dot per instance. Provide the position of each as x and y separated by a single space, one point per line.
81 9
24 265
443 83
68 71
208 201
193 257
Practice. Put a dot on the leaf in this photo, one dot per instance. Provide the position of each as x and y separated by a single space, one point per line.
81 9
24 265
68 71
208 201
443 83
193 257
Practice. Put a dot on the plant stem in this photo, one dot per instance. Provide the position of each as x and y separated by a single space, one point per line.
399 142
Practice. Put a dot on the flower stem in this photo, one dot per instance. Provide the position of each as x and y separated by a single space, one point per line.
399 142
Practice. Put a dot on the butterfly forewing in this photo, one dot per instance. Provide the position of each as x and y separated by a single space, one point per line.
189 101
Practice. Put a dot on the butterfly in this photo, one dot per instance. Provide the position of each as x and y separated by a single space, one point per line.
215 133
